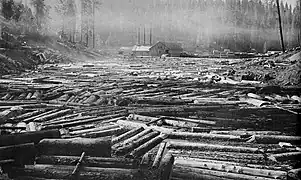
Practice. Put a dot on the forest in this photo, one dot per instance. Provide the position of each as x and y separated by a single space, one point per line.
199 25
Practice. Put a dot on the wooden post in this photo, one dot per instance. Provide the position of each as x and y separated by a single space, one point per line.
280 26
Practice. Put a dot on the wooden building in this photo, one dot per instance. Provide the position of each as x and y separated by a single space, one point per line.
173 49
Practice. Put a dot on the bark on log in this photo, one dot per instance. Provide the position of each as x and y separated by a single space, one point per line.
104 133
32 118
197 121
182 135
159 155
197 173
28 137
231 168
294 174
22 153
137 117
132 145
86 173
89 161
99 147
212 147
94 129
80 122
285 156
166 166
137 136
275 139
147 146
30 114
127 135
53 115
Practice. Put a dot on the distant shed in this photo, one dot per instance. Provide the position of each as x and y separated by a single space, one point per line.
173 49
141 51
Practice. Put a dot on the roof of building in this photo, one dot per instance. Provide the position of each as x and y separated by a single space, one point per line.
172 45
141 48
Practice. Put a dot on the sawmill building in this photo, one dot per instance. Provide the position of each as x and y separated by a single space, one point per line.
173 49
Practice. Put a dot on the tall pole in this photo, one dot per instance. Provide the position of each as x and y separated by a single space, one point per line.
150 36
138 35
144 36
280 26
93 21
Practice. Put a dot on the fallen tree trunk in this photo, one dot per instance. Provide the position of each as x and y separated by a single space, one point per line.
94 129
132 145
275 139
99 147
137 136
197 173
53 115
211 147
89 161
28 137
197 121
147 146
184 135
87 173
80 122
127 135
21 154
285 156
104 133
159 155
231 168
166 166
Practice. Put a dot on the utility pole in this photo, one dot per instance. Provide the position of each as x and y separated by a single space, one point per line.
280 26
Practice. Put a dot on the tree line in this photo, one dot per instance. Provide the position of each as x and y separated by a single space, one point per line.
239 25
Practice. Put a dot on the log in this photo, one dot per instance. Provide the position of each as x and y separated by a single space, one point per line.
181 144
183 135
159 155
127 135
285 156
294 174
80 122
104 133
147 146
137 136
29 114
197 121
132 145
94 129
89 161
246 158
231 168
137 117
87 173
182 172
166 166
245 132
78 164
53 115
32 118
99 147
21 154
255 102
275 139
28 137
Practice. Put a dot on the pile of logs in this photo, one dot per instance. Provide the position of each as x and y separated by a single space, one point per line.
117 122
